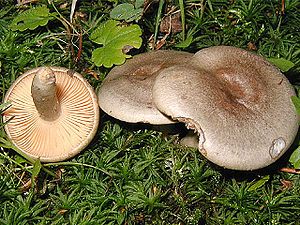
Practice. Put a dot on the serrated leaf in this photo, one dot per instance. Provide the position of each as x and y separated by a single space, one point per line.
283 64
295 158
126 12
107 57
113 37
296 102
31 19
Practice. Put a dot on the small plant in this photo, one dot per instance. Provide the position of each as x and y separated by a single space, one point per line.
127 11
32 18
117 40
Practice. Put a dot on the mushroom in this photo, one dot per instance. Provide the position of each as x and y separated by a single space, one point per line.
54 113
238 103
190 139
126 92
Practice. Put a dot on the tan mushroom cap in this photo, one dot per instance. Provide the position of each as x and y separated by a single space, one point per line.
126 92
72 125
239 104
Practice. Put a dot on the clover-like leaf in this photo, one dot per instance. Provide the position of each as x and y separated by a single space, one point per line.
114 38
31 19
126 12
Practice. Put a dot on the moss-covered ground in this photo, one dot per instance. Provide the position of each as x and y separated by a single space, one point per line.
136 175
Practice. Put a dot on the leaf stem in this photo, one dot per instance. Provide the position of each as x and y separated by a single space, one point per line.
182 14
158 18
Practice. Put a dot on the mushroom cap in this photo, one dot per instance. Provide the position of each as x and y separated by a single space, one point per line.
62 138
126 92
239 104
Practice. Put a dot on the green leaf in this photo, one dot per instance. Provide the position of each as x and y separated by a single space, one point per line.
31 19
283 64
19 159
113 37
4 106
2 160
186 43
296 102
295 158
126 12
4 12
259 183
37 166
139 3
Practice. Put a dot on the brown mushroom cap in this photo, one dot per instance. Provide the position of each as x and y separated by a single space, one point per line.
65 122
239 104
126 92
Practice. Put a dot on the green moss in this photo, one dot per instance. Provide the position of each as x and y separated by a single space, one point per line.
138 176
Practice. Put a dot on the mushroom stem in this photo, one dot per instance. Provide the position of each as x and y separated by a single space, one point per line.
43 91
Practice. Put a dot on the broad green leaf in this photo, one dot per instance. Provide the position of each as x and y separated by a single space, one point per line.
31 19
259 183
283 64
295 158
296 102
126 12
113 37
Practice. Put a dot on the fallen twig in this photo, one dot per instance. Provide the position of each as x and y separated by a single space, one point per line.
290 170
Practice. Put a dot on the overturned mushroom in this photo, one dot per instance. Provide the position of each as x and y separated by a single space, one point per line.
126 92
238 103
54 113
